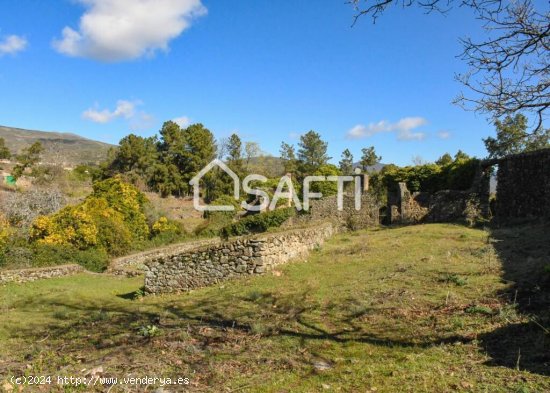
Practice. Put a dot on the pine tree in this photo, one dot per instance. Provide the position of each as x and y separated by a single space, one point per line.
346 163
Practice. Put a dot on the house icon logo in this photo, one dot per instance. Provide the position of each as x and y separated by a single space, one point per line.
196 186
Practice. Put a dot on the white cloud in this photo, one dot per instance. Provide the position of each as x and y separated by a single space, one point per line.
115 30
125 109
403 129
444 134
12 44
182 121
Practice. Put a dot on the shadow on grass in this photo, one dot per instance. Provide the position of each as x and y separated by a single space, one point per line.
524 252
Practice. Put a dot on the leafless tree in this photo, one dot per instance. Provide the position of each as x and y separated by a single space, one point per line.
509 71
222 148
22 208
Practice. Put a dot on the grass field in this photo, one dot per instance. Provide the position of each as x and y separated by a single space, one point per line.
430 308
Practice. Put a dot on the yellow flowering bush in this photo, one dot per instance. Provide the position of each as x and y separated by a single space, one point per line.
72 225
5 231
111 218
127 200
163 225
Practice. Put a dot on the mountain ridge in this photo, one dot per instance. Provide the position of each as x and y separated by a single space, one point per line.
60 148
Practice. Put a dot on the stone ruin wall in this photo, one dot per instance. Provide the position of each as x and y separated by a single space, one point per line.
244 256
523 194
523 187
405 207
325 209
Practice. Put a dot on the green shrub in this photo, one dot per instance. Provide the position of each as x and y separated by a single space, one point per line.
216 220
327 188
19 255
457 175
258 222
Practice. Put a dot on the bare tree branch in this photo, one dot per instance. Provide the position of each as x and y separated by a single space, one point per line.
509 72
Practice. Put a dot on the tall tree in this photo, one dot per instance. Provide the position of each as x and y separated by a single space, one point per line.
200 149
346 163
461 156
369 158
512 137
28 159
288 155
312 152
235 154
508 70
444 160
135 154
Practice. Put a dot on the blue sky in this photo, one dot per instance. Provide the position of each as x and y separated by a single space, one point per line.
268 70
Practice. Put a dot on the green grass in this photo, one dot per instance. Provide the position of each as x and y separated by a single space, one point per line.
389 310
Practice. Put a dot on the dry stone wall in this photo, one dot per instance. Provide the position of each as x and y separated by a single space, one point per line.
523 187
244 256
26 275
325 209
443 206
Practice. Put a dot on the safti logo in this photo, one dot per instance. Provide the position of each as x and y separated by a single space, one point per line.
285 183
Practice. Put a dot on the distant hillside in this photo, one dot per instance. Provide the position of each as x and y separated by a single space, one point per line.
60 148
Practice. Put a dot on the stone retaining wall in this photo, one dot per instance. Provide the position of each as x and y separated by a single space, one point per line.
26 275
238 257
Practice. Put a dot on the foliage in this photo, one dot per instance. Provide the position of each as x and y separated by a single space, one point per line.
312 153
135 155
327 188
85 172
444 160
5 231
166 165
512 137
258 222
164 225
4 151
288 155
127 200
346 163
17 253
28 159
93 259
369 158
457 175
235 155
111 218
149 331
216 220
